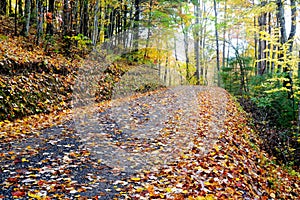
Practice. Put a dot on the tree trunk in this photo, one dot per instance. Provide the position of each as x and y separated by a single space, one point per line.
186 51
255 46
75 12
112 18
203 36
166 71
283 40
217 41
224 35
136 24
293 24
196 42
148 28
95 28
66 18
262 44
16 19
102 16
33 11
20 6
124 17
25 30
49 18
299 66
40 19
270 54
10 9
3 7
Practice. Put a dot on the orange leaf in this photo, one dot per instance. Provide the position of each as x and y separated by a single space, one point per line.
18 193
150 189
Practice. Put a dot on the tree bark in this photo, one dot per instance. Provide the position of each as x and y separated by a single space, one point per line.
16 19
66 18
20 8
136 24
186 51
49 18
197 42
33 11
95 28
262 44
26 23
203 36
10 11
40 19
293 24
224 35
3 7
217 41
148 28
287 40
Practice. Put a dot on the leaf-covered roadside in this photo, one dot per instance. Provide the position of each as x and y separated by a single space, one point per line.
33 82
235 167
282 142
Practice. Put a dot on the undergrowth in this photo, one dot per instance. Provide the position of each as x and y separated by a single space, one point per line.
281 142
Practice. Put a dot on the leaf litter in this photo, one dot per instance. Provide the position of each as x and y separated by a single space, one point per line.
177 143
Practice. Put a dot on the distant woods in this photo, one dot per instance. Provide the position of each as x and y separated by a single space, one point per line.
233 40
96 19
250 37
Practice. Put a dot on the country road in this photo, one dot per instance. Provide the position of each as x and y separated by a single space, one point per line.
171 143
139 132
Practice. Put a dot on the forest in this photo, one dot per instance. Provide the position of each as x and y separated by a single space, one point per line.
59 54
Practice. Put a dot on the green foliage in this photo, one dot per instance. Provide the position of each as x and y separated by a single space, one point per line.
135 57
274 115
3 37
144 56
79 44
273 108
268 93
292 172
82 41
231 75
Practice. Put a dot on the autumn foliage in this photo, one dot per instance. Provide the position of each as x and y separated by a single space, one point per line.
235 166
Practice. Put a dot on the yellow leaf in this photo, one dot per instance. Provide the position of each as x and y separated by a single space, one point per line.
139 189
35 195
168 190
216 148
135 178
210 197
200 198
207 183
